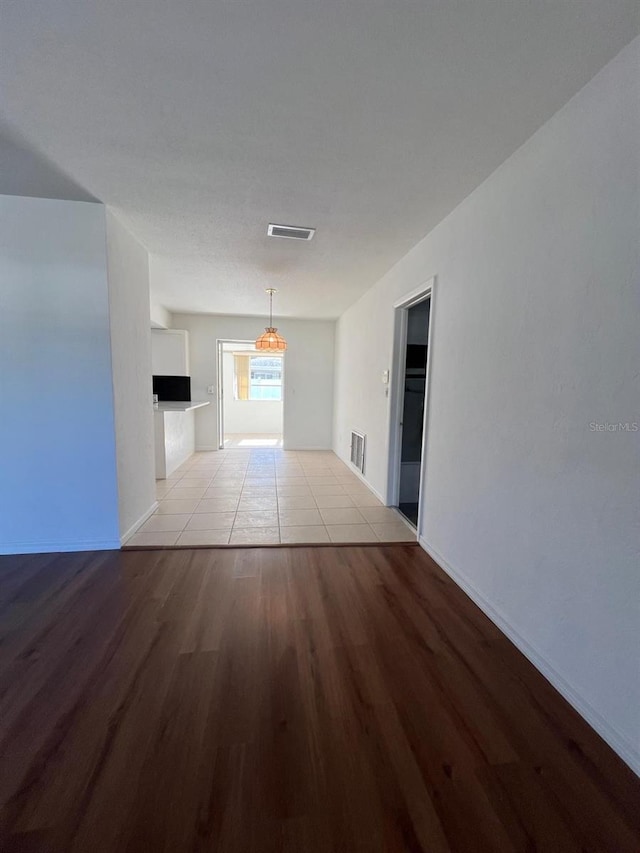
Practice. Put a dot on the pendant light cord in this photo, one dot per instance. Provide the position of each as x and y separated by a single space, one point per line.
271 291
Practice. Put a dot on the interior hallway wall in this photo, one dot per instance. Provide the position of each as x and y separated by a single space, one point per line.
58 489
160 316
308 387
130 329
530 499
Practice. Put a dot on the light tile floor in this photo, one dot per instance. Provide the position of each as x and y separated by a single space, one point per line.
256 439
268 496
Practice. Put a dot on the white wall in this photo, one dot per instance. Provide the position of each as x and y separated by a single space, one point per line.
159 315
308 392
128 269
536 318
248 416
58 486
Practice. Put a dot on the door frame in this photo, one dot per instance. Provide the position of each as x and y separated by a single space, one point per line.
396 391
220 392
220 342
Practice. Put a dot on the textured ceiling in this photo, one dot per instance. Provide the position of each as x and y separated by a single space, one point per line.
199 122
25 171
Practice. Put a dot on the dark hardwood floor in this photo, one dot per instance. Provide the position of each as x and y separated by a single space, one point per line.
328 699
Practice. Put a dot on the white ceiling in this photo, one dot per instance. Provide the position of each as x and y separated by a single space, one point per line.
200 121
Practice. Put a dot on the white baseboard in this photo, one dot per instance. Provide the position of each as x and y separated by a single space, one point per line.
360 476
138 523
618 742
366 482
59 547
207 447
308 447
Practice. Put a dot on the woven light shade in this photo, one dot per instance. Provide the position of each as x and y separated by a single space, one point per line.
271 341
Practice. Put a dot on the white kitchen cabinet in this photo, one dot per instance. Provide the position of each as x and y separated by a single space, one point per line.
170 352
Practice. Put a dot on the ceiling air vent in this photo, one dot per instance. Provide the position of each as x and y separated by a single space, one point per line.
291 232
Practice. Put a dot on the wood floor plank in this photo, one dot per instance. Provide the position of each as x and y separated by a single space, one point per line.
315 700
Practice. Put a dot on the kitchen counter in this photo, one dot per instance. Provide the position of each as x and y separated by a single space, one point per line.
179 406
174 433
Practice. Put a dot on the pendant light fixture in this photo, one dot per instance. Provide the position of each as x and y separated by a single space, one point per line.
271 341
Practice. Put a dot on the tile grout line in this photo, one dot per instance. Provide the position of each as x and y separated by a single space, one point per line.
235 515
322 469
275 478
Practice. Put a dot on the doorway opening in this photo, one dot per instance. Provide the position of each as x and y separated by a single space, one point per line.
409 404
250 396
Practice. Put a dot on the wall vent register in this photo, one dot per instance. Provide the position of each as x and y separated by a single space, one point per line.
358 441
